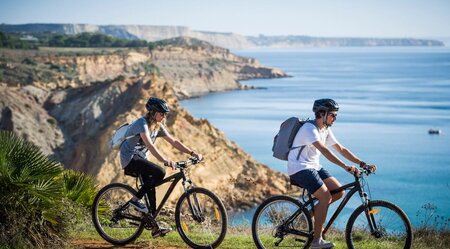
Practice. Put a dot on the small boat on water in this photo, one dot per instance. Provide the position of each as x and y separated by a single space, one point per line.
434 131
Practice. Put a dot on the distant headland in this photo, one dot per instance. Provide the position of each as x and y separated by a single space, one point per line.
226 40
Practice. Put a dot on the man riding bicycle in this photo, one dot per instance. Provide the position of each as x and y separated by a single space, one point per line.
133 154
304 166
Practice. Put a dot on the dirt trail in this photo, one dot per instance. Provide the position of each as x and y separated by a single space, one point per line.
99 244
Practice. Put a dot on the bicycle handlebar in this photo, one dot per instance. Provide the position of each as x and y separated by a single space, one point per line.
185 163
365 171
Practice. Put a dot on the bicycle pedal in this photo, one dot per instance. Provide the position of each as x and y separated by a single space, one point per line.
300 240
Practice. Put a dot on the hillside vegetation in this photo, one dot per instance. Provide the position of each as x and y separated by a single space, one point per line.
83 40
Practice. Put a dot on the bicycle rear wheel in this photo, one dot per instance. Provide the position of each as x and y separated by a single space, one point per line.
116 222
379 225
271 229
201 218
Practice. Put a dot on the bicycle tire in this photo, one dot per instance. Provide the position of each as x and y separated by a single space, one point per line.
267 232
393 228
104 210
209 227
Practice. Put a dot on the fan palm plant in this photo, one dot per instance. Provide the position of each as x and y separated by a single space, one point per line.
79 187
79 191
29 194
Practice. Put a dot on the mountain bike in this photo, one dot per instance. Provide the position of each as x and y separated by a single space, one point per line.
200 216
283 221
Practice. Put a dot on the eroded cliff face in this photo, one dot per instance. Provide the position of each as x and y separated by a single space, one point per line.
192 70
22 111
73 112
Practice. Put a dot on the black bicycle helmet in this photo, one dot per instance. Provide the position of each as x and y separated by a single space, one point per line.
155 104
326 105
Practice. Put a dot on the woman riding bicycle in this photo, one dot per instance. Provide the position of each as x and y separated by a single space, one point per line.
304 167
133 154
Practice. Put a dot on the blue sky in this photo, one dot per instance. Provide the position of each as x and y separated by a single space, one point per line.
364 18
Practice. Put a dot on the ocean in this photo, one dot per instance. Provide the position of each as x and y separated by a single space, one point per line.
389 98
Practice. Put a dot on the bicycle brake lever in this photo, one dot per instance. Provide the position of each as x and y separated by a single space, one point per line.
195 160
181 164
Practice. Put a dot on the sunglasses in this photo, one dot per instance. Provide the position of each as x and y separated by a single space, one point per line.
163 114
334 115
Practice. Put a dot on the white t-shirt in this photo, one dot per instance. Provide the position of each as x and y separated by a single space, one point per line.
309 157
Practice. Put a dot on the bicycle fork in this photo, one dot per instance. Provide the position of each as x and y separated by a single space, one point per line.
369 212
194 205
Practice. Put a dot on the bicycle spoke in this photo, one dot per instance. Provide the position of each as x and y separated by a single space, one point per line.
388 227
115 221
270 229
202 221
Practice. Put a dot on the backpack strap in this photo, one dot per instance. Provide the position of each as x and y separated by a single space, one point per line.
300 151
312 121
126 138
131 136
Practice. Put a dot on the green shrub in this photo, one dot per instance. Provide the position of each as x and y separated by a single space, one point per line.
30 195
79 187
41 200
79 190
119 78
29 61
51 121
431 220
151 68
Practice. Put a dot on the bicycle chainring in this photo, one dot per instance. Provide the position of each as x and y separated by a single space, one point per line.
148 221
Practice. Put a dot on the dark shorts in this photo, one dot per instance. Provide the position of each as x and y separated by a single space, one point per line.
310 179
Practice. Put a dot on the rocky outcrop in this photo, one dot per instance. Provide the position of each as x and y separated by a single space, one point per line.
196 69
72 112
22 112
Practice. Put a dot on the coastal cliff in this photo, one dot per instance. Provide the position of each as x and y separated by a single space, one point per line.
226 40
193 67
68 104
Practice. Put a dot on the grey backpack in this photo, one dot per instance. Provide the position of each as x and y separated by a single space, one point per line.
282 142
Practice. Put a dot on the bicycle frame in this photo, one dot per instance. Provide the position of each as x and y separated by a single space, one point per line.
175 178
353 186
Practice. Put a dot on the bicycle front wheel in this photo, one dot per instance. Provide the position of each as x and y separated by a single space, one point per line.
115 221
281 222
379 225
201 218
